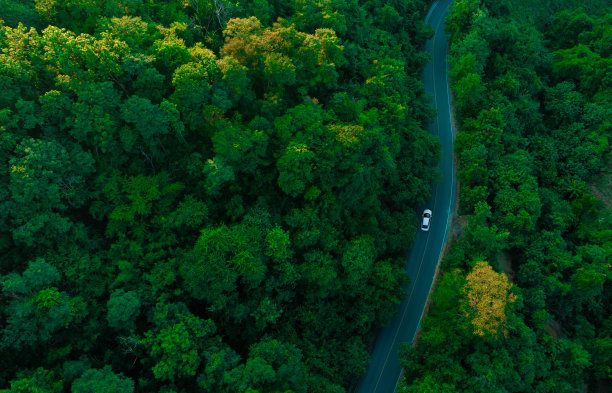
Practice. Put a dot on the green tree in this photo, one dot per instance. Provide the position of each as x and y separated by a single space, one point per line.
123 308
517 202
102 380
130 29
295 169
273 366
192 82
39 381
176 347
42 186
37 309
170 52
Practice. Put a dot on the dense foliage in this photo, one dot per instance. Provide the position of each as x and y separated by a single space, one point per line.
534 109
209 196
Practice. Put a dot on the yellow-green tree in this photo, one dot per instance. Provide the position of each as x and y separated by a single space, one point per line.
488 300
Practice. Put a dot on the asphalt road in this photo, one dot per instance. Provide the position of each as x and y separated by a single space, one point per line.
384 370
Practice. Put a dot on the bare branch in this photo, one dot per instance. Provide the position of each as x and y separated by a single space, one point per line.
148 158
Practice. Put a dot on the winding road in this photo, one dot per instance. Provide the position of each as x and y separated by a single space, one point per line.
384 370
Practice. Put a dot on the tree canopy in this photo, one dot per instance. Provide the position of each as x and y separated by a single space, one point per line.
206 195
532 98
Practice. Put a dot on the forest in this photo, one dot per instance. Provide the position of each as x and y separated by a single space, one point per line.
524 299
209 195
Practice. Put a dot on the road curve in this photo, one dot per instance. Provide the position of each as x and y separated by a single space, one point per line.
384 370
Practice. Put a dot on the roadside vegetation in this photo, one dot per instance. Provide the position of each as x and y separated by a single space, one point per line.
205 195
533 98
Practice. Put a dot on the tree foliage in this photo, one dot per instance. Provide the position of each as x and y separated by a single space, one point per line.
489 300
206 195
531 83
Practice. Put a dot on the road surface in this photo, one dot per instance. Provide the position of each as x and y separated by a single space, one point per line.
384 370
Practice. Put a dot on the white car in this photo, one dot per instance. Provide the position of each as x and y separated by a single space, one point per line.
426 219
